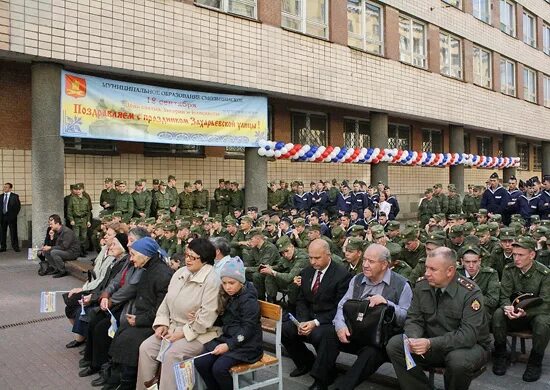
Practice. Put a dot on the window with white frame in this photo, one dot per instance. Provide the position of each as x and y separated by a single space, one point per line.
529 85
399 136
356 133
482 10
507 77
546 86
309 128
432 141
306 16
365 26
508 17
454 3
450 55
546 39
412 41
248 8
482 67
529 29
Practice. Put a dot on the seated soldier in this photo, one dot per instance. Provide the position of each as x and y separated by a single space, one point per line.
541 234
413 249
262 253
433 242
169 241
397 265
524 275
456 238
353 252
299 234
393 233
502 254
279 277
485 277
270 231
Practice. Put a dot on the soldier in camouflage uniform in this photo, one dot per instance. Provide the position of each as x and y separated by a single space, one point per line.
142 201
235 236
245 227
524 275
428 206
236 198
413 249
299 235
217 227
185 200
222 198
433 241
124 202
486 244
108 196
262 252
353 255
397 265
541 234
173 191
456 238
485 277
66 200
453 200
162 199
79 214
201 199
441 198
169 241
270 231
392 232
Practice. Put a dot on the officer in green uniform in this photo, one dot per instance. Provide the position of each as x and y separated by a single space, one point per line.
299 234
397 265
186 199
428 206
392 232
280 278
236 198
482 217
485 277
217 227
235 236
353 255
162 199
169 241
79 214
124 202
142 201
262 253
184 230
201 200
85 194
486 244
173 191
454 202
222 198
433 241
107 196
456 238
413 249
541 234
66 200
270 231
441 198
524 275
445 326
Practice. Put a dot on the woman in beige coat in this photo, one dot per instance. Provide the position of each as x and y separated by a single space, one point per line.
185 317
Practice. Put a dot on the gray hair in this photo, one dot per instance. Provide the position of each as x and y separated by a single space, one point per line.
382 253
447 254
222 244
139 232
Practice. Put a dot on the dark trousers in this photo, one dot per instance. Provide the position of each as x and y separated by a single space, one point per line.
369 359
98 341
322 366
12 225
214 370
460 365
539 325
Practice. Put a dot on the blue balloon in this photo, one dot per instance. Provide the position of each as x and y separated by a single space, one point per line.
267 147
309 154
279 145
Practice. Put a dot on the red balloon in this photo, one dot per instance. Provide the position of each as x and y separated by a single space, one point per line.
375 160
329 149
286 155
297 147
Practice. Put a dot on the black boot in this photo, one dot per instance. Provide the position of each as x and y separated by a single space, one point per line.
534 367
499 360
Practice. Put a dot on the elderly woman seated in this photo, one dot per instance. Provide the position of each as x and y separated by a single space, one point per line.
186 316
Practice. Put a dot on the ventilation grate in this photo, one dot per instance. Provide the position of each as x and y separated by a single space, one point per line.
7 326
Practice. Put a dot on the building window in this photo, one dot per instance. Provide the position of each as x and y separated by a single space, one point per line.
508 17
306 16
309 128
467 145
175 150
399 136
89 146
529 29
482 10
507 77
529 85
450 54
484 146
432 141
500 147
247 8
412 42
537 157
546 84
523 154
546 39
454 3
365 26
482 67
356 133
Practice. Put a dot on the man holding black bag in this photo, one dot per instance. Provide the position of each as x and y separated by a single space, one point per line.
372 310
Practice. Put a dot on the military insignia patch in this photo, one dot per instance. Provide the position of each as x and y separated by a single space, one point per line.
240 338
476 305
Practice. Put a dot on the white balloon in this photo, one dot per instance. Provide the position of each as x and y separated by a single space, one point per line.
289 146
306 148
261 151
269 153
262 143
277 153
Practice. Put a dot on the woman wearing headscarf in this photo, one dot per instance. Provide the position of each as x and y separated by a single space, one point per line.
136 323
186 316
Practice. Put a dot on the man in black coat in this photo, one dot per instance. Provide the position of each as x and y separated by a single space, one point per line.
10 207
67 247
323 284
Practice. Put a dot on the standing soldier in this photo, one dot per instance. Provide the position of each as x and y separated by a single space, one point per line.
124 202
149 195
222 199
454 202
441 198
236 198
162 199
85 194
468 203
66 200
108 196
428 206
185 203
153 198
544 205
472 205
79 214
142 201
495 198
173 191
201 200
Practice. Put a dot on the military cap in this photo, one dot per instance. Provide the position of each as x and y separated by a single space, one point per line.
526 242
493 226
208 220
185 225
516 216
143 180
545 222
412 223
72 187
393 225
516 226
496 218
428 190
106 218
230 221
482 212
170 227
472 240
540 231
255 232
150 221
357 228
456 231
156 181
436 238
108 180
217 218
283 243
468 227
338 232
355 244
195 229
315 226
438 185
198 216
137 182
409 234
479 188
271 222
247 219
122 182
299 222
164 217
377 232
469 248
535 218
451 187
116 213
395 251
494 175
162 183
373 223
437 217
117 182
160 225
482 229
454 216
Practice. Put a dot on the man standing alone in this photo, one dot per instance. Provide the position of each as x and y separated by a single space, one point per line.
10 207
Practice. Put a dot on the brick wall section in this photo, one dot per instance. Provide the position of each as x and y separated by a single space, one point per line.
15 103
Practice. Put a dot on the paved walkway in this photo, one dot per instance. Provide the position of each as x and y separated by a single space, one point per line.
33 353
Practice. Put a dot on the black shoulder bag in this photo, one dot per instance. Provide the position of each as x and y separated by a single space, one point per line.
372 326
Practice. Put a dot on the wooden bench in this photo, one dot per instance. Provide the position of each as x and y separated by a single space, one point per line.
523 357
441 371
79 269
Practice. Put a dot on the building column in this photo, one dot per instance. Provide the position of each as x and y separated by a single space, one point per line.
456 145
545 158
48 162
509 149
255 179
379 139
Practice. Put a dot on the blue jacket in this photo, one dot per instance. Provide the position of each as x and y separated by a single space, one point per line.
344 204
319 201
301 202
394 212
528 206
544 205
495 201
358 202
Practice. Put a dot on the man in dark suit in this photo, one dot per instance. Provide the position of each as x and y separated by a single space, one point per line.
10 206
322 285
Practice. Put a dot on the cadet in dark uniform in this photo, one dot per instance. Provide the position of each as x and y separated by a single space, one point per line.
445 326
544 201
154 190
524 275
108 196
428 206
495 198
